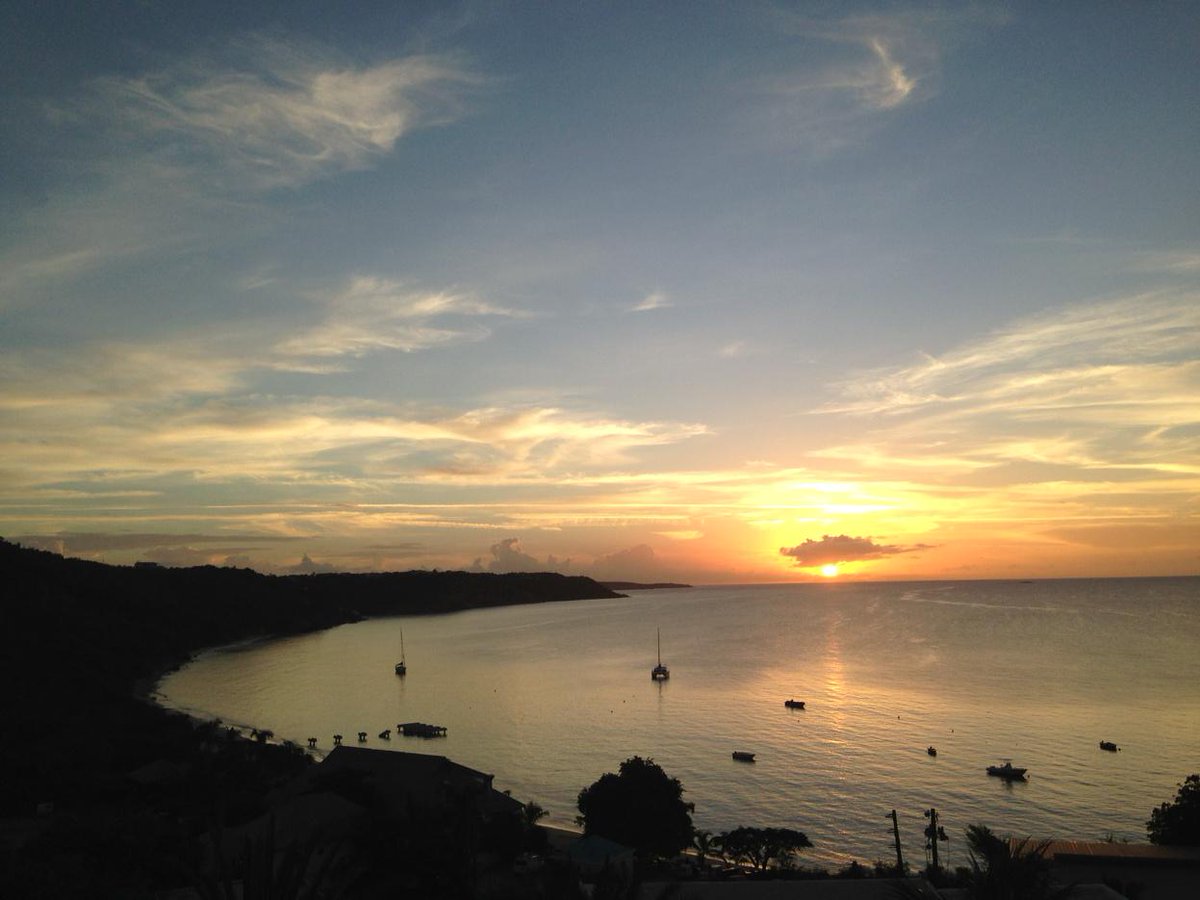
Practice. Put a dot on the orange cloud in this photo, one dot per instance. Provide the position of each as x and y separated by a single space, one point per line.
835 549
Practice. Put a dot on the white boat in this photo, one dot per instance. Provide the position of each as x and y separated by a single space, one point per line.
660 672
401 667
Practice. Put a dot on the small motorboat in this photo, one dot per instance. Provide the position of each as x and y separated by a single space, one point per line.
1008 772
1109 746
794 704
743 756
932 751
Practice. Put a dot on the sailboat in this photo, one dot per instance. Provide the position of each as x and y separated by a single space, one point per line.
660 672
401 668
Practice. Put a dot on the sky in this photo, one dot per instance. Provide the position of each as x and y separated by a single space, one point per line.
687 291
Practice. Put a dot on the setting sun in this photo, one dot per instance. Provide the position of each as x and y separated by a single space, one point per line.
829 570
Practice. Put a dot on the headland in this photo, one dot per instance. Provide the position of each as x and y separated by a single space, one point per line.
83 643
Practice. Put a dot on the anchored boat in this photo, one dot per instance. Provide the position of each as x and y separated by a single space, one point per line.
660 672
401 668
1008 772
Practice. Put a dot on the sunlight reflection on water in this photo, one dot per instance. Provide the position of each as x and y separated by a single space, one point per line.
549 697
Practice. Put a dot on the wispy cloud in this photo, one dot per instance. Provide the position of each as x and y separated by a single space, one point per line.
192 409
182 156
1066 415
1174 262
870 79
1106 353
854 68
274 115
373 314
733 349
654 300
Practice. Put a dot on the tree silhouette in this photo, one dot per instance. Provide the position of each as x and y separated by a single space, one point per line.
1001 870
1178 822
641 807
759 847
702 840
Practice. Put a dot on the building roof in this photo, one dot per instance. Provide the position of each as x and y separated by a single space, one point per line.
1157 872
414 768
1063 852
403 779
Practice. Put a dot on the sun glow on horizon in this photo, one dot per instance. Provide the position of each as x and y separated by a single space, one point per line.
829 570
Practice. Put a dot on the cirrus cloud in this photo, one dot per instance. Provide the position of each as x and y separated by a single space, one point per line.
376 314
279 115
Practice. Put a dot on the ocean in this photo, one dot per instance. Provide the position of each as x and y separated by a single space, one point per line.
549 697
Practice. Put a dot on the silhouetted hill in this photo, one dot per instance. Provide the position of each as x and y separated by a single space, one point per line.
76 636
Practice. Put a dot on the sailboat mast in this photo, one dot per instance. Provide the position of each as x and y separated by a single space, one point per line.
659 672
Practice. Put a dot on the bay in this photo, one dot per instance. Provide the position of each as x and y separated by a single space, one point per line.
548 697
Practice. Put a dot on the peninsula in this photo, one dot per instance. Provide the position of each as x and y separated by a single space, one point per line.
81 644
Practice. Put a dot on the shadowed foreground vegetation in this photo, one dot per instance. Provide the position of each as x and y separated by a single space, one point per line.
79 641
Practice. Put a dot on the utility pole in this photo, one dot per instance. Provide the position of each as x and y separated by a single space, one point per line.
934 833
896 832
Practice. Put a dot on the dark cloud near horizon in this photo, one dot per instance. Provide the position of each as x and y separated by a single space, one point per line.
307 566
507 556
841 548
637 563
183 556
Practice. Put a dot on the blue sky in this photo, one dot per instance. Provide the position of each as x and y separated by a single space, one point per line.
698 291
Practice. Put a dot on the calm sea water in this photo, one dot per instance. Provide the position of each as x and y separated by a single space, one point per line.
549 697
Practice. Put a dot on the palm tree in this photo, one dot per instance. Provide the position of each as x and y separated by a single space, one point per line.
532 813
702 840
1003 870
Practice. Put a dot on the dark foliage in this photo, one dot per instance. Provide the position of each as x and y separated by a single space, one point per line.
81 642
76 637
1178 822
759 847
1003 870
641 807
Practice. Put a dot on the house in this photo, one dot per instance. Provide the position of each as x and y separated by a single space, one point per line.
1155 871
397 783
